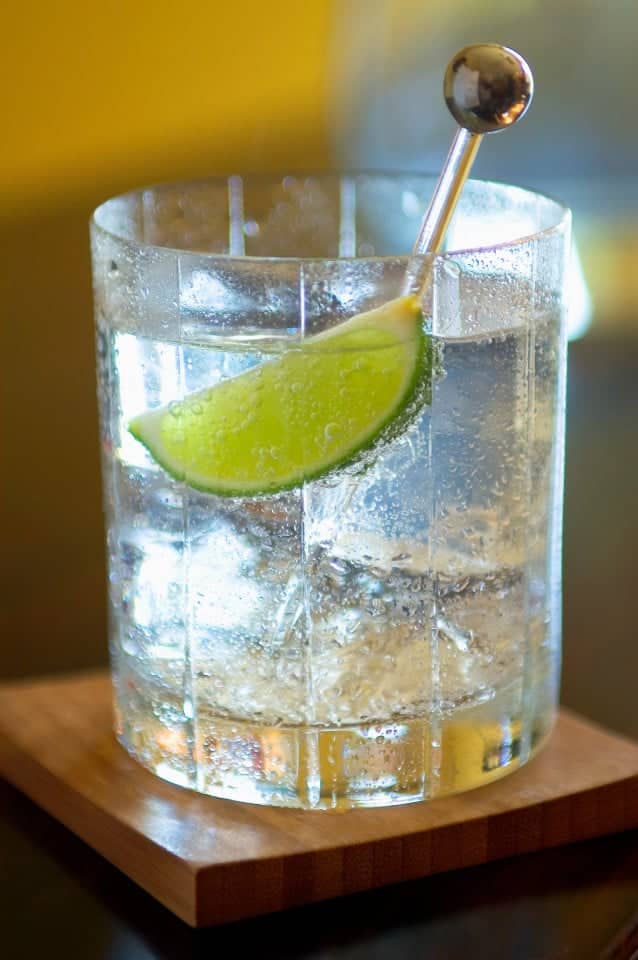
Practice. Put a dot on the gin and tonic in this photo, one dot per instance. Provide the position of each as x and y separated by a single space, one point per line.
333 507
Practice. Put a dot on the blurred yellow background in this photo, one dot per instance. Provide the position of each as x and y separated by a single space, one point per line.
112 94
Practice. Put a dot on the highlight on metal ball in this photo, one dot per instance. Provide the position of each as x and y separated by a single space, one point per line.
487 87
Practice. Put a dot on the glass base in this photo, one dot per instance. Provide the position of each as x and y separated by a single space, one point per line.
368 765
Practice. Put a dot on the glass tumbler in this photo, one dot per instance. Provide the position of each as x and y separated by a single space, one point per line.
334 555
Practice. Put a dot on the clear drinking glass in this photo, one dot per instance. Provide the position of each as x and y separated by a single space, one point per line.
390 630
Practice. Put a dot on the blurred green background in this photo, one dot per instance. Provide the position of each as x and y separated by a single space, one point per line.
98 99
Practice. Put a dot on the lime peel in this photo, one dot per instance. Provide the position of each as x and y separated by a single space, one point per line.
300 415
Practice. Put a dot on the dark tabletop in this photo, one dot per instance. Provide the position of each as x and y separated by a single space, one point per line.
58 898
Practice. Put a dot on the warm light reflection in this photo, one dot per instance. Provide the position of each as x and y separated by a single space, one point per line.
172 741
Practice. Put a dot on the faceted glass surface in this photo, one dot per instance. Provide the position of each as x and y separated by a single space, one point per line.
388 632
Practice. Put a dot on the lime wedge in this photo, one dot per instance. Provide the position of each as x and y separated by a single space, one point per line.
299 415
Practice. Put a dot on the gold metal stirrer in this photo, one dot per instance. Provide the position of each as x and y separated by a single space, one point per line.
487 88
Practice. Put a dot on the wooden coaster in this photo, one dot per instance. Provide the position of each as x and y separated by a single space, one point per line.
212 861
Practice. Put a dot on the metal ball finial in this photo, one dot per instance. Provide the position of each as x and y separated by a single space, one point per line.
487 87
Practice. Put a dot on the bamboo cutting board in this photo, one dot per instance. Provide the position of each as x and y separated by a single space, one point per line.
212 861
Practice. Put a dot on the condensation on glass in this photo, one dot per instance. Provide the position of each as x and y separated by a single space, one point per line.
390 632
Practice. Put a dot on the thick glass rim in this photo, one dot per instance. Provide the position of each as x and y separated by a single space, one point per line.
563 218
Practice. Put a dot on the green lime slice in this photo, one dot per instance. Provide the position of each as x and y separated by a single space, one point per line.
300 415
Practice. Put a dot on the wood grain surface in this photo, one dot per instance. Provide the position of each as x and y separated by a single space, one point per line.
212 861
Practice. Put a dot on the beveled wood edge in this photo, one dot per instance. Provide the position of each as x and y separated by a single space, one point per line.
104 833
296 879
